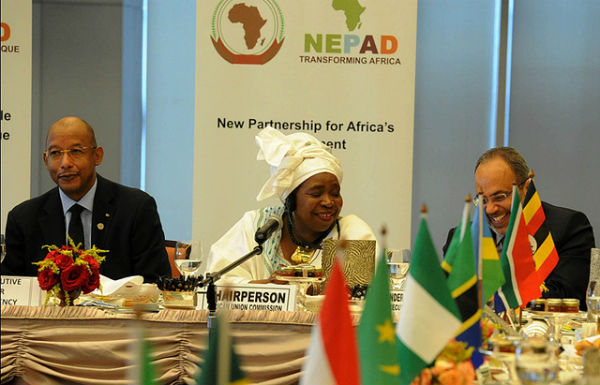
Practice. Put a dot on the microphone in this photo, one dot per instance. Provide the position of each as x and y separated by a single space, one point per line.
266 230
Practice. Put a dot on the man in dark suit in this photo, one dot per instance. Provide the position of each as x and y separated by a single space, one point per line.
111 216
495 173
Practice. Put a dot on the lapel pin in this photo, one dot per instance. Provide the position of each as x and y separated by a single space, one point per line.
107 215
100 226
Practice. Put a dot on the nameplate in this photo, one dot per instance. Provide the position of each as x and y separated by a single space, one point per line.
397 297
252 297
23 291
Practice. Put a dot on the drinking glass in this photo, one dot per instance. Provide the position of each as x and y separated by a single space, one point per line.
536 361
593 289
3 245
399 266
503 353
187 259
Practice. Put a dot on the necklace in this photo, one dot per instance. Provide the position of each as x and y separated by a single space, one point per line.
305 250
302 255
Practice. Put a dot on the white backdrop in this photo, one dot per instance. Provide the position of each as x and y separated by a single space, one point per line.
306 83
16 103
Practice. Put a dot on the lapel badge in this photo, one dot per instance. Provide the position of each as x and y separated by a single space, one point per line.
100 226
107 215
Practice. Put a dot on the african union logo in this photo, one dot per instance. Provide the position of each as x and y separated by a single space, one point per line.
247 31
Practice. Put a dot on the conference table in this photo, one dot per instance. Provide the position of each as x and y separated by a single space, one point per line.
87 345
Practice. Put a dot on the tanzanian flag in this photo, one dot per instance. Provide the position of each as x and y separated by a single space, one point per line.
459 264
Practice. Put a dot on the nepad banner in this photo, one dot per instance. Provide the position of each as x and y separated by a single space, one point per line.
342 70
15 114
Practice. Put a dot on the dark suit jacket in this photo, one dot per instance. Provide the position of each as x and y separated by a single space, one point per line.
125 222
573 237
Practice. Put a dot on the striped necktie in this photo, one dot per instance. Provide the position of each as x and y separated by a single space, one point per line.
499 245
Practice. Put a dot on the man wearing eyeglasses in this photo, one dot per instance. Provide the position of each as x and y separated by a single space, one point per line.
89 208
495 173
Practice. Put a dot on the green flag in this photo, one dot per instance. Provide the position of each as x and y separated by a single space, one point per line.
452 251
429 317
376 335
485 248
462 281
148 371
221 364
143 370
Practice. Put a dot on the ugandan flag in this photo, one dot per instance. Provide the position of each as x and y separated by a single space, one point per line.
540 238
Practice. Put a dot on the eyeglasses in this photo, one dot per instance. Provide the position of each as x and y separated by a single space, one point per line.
497 198
75 153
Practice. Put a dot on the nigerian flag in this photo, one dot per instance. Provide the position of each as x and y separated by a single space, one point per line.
429 317
221 364
376 337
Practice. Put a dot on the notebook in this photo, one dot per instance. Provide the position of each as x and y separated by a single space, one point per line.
358 260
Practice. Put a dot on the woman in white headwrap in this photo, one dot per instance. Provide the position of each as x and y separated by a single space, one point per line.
307 178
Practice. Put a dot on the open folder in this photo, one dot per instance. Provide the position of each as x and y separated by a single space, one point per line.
358 260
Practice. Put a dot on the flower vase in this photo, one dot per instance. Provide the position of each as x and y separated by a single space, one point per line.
73 295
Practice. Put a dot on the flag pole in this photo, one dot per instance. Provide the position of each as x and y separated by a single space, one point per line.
530 175
507 307
386 253
224 355
144 370
480 251
510 312
465 216
520 318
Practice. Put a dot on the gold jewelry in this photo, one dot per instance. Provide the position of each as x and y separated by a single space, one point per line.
302 255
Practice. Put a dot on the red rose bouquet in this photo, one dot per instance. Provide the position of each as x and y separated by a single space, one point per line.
67 271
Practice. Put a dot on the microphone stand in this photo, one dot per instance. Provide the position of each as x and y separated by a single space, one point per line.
211 278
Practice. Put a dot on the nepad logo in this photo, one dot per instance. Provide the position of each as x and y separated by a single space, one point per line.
247 31
5 32
350 48
352 11
5 37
